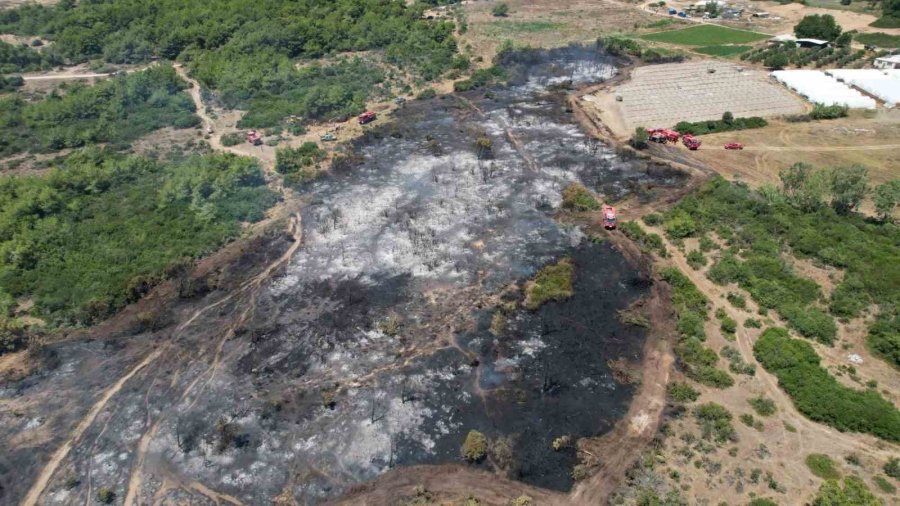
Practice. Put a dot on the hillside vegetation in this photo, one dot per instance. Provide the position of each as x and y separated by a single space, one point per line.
248 52
98 231
115 111
761 228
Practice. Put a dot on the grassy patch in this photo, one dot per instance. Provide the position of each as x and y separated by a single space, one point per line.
763 405
818 395
723 50
553 282
822 466
879 39
705 35
577 198
886 22
886 486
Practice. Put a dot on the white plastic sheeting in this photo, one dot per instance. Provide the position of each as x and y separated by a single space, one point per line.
823 89
880 83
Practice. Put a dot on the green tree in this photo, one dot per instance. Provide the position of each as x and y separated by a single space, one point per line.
777 61
818 26
728 118
640 138
803 187
849 185
475 446
501 10
886 197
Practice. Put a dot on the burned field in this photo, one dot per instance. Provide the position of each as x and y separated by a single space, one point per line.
376 345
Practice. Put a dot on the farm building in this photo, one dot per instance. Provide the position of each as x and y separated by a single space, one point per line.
888 62
820 88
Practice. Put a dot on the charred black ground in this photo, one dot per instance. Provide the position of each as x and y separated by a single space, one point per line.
358 357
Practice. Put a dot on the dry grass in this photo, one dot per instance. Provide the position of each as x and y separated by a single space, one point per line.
546 23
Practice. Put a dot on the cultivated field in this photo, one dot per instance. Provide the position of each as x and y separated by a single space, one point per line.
705 35
663 95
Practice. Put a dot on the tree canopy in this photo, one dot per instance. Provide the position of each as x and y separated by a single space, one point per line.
248 51
818 26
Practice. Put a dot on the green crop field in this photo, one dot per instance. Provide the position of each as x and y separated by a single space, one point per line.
705 35
722 50
879 39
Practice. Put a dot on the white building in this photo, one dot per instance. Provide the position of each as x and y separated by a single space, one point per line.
888 62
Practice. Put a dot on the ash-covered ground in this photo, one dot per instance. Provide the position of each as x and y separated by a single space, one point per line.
373 348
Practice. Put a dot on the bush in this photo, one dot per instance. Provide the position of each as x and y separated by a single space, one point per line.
715 422
106 495
427 93
682 392
818 395
696 259
892 468
501 10
853 493
752 323
729 326
232 139
737 300
821 111
475 446
577 198
640 138
480 78
822 466
652 219
762 405
679 225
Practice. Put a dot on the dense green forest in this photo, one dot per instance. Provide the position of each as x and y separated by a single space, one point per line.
80 239
19 58
247 51
115 111
760 226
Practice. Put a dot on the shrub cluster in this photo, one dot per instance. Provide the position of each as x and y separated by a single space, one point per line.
722 125
647 242
115 111
818 395
698 361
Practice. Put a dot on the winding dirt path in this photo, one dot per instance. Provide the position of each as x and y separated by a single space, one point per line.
63 451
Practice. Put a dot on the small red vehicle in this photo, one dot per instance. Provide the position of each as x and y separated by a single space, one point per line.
663 135
691 142
367 117
609 217
254 138
734 145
